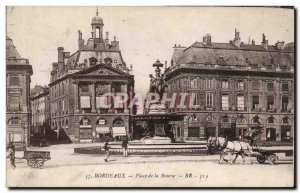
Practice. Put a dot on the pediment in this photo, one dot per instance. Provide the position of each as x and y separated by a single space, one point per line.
101 69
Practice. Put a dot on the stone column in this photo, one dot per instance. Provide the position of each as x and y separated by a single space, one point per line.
76 95
93 97
109 98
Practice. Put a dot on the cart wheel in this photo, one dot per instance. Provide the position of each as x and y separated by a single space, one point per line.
31 163
272 159
261 159
40 162
35 163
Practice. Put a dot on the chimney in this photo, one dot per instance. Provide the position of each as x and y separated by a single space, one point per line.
80 40
60 51
54 66
237 40
207 39
264 42
280 45
253 42
115 43
107 39
165 64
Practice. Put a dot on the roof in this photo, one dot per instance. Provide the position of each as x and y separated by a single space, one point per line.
11 51
233 55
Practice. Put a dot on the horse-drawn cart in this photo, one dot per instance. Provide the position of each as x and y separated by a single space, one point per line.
36 159
273 155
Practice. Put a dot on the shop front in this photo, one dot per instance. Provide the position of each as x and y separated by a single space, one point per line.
227 130
85 130
286 133
118 129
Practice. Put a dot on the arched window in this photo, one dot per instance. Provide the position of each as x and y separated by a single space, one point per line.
118 122
241 120
286 120
210 119
14 121
271 120
97 35
256 119
225 119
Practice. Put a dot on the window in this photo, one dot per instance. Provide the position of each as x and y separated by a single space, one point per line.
271 120
270 86
14 81
84 88
255 85
194 83
102 102
85 102
14 121
225 84
284 103
208 83
117 88
14 103
285 87
209 99
285 120
255 102
240 103
225 101
193 132
63 105
178 132
270 102
240 85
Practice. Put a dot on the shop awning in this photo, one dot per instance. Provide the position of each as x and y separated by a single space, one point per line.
102 102
85 102
119 131
85 126
102 130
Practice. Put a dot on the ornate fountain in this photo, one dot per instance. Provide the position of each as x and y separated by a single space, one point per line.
153 127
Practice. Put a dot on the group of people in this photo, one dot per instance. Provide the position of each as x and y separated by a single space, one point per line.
124 147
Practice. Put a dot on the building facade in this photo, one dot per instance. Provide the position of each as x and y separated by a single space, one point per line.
80 81
18 111
40 115
236 87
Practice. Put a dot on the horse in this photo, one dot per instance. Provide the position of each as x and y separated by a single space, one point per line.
235 147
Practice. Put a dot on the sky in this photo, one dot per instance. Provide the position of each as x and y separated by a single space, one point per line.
145 33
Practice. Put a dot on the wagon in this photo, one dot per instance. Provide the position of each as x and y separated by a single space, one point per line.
36 159
274 156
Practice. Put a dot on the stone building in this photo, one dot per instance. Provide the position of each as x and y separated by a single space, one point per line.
40 115
236 86
18 73
80 81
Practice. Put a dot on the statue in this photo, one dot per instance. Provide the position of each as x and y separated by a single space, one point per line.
157 84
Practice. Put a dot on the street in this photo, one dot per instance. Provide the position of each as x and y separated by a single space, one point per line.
91 170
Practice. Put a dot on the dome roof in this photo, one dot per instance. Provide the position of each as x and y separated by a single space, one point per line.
97 20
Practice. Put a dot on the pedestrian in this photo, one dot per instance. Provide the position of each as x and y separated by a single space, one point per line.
11 154
106 149
124 146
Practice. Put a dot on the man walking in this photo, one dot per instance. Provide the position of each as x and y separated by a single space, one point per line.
11 154
106 149
124 146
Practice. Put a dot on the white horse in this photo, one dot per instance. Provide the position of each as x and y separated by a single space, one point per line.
230 147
